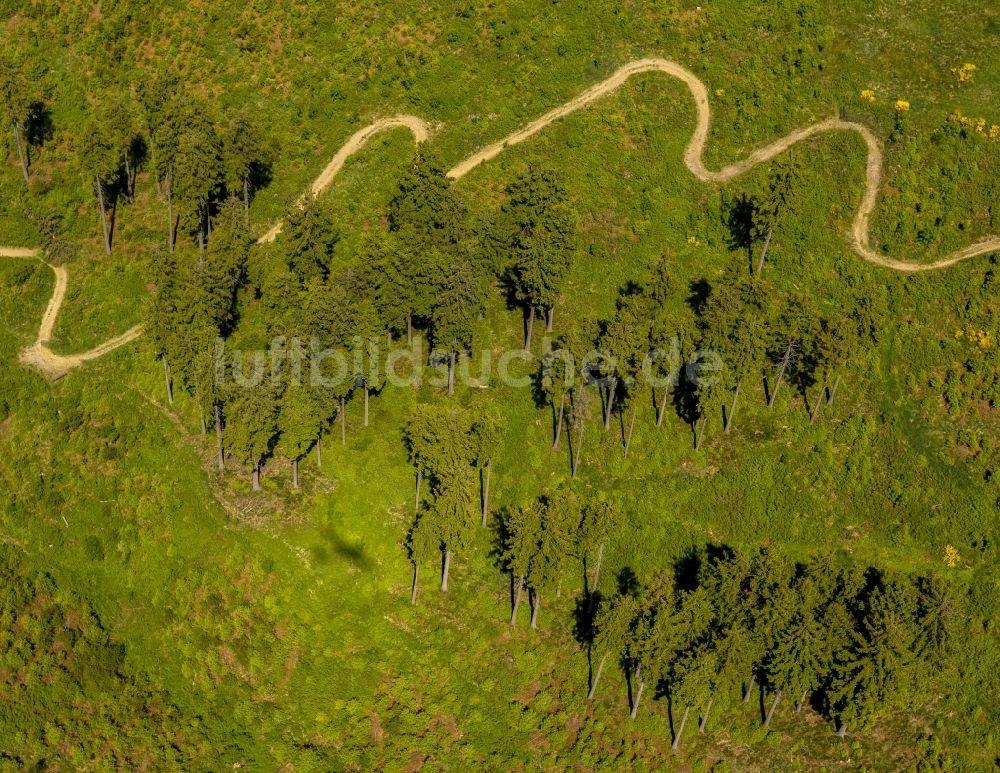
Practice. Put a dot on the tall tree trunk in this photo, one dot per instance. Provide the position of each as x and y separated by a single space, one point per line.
451 374
319 450
413 588
777 382
20 148
802 701
559 422
833 391
631 426
592 595
218 437
763 252
770 711
819 402
536 602
732 409
156 168
445 567
104 214
612 388
171 237
409 329
256 476
680 730
577 451
343 423
704 716
597 567
663 406
640 683
486 489
246 199
842 730
129 182
597 676
295 473
201 231
548 318
699 431
366 406
169 382
420 475
530 326
201 419
746 695
518 589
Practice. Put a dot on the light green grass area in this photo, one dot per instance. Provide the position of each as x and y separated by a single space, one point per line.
275 628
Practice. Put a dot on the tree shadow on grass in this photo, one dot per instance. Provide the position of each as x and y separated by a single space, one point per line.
336 545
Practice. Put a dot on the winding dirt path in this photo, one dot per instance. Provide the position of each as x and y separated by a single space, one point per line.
38 355
417 126
695 150
53 365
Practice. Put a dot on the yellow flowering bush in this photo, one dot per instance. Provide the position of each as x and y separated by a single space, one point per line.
951 556
868 95
694 241
720 92
965 73
901 105
977 125
981 338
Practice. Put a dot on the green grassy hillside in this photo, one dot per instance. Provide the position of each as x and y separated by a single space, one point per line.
273 630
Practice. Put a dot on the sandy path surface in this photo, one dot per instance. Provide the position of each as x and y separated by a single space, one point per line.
695 150
417 126
54 365
38 355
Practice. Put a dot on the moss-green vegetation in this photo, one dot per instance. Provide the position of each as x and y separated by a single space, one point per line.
171 616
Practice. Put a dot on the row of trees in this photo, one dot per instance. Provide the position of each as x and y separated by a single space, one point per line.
197 159
427 271
738 329
537 542
782 337
854 644
452 450
283 397
432 269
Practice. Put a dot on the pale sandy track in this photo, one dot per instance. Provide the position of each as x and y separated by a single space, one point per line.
54 365
695 150
360 138
38 355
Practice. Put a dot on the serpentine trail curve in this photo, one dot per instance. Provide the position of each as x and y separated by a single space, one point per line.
38 355
53 365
